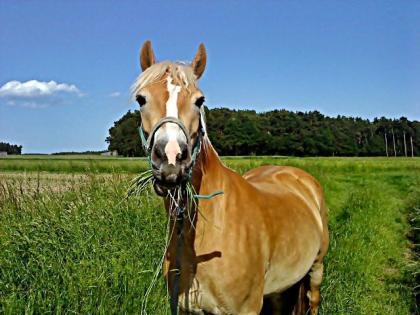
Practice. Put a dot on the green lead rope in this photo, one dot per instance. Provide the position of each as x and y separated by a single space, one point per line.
209 196
144 145
143 139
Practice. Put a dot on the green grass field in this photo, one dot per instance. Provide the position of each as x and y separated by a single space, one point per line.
71 243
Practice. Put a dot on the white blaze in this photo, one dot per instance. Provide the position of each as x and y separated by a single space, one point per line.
171 103
172 148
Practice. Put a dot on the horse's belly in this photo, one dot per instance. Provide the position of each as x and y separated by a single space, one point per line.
283 271
276 281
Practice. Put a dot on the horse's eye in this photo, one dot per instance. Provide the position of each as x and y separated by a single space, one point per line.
200 101
141 100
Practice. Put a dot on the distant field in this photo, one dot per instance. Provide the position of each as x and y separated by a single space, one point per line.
100 164
72 164
71 243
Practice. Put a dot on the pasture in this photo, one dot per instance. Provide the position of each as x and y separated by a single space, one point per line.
70 242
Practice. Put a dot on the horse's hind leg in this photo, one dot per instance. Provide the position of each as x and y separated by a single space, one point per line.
317 269
315 275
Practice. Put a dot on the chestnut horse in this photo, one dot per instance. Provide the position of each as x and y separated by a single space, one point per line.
256 249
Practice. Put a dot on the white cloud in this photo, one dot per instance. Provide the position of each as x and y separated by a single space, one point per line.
35 88
115 94
36 94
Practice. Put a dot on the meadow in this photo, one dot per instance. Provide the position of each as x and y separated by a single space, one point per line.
70 242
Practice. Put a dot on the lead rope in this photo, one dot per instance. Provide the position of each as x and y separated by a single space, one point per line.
180 216
179 233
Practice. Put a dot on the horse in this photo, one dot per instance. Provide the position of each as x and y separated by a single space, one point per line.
257 247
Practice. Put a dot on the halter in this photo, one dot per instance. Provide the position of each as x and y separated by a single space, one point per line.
147 143
180 211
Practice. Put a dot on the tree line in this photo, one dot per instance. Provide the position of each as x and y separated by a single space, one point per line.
10 148
283 132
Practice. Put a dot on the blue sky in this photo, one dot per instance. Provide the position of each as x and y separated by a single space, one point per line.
359 58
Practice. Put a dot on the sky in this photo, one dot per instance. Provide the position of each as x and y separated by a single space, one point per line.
66 67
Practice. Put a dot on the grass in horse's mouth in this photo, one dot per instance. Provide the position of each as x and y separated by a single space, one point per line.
140 183
143 181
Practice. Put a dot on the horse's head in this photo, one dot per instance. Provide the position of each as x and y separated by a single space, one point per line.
171 114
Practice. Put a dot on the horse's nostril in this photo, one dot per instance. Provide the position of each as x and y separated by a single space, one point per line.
184 154
158 152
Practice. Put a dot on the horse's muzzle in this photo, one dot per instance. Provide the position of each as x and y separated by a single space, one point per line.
169 175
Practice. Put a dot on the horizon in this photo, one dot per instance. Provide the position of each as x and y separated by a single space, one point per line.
66 68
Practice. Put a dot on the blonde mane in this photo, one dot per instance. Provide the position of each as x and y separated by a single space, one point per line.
181 72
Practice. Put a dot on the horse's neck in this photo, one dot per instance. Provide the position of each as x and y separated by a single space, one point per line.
208 177
208 173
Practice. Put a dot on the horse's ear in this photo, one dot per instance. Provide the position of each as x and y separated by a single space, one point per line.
199 62
147 56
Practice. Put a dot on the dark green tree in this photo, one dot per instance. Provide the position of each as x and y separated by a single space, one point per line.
282 132
10 148
124 136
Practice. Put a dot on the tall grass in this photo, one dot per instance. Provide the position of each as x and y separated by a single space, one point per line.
368 245
87 249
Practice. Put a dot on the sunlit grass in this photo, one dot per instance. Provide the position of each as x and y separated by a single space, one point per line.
86 248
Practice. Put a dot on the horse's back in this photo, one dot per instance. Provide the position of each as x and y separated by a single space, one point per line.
278 179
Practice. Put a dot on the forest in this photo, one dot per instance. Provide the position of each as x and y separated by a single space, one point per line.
10 148
283 132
